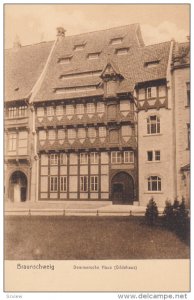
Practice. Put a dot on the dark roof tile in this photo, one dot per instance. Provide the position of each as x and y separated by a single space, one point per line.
23 68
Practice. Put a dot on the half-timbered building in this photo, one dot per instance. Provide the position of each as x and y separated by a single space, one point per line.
99 113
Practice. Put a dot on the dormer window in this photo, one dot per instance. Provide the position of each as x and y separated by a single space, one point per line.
122 51
94 55
151 64
116 41
65 60
79 47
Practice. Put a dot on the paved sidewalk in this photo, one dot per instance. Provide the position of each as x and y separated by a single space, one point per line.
74 208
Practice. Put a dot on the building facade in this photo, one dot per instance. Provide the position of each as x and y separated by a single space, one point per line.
97 122
181 90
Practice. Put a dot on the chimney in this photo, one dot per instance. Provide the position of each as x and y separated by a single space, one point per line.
60 33
16 44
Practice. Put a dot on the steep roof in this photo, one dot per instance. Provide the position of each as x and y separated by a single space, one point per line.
101 42
67 80
23 67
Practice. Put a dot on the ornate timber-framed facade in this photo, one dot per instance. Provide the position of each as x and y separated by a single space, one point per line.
98 119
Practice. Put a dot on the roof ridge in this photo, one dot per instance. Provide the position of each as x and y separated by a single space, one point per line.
30 45
80 34
107 29
157 44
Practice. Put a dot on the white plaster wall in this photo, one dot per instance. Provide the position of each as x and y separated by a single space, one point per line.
182 117
164 168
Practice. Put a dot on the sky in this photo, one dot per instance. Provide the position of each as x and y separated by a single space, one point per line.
34 23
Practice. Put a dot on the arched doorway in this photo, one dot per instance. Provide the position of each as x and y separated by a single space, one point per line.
122 189
18 187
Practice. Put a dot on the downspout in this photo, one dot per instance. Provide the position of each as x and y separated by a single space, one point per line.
137 136
32 94
171 97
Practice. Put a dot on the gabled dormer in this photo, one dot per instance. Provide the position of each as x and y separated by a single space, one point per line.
111 76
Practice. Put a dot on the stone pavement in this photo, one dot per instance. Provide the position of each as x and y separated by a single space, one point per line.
74 208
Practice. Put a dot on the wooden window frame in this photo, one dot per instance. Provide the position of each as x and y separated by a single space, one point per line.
130 155
84 183
154 184
54 159
54 184
63 183
116 157
94 186
94 158
151 123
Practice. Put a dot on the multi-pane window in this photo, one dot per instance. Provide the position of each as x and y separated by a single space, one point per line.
42 135
54 159
40 111
151 92
63 183
153 125
12 112
22 111
61 134
94 158
188 135
91 132
128 157
63 159
83 183
53 184
59 110
153 155
100 107
71 134
116 157
51 135
102 131
69 110
83 158
188 93
50 111
157 155
81 133
90 108
79 109
94 183
154 183
12 140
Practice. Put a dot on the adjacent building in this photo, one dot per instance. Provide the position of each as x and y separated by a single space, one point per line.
181 121
96 117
